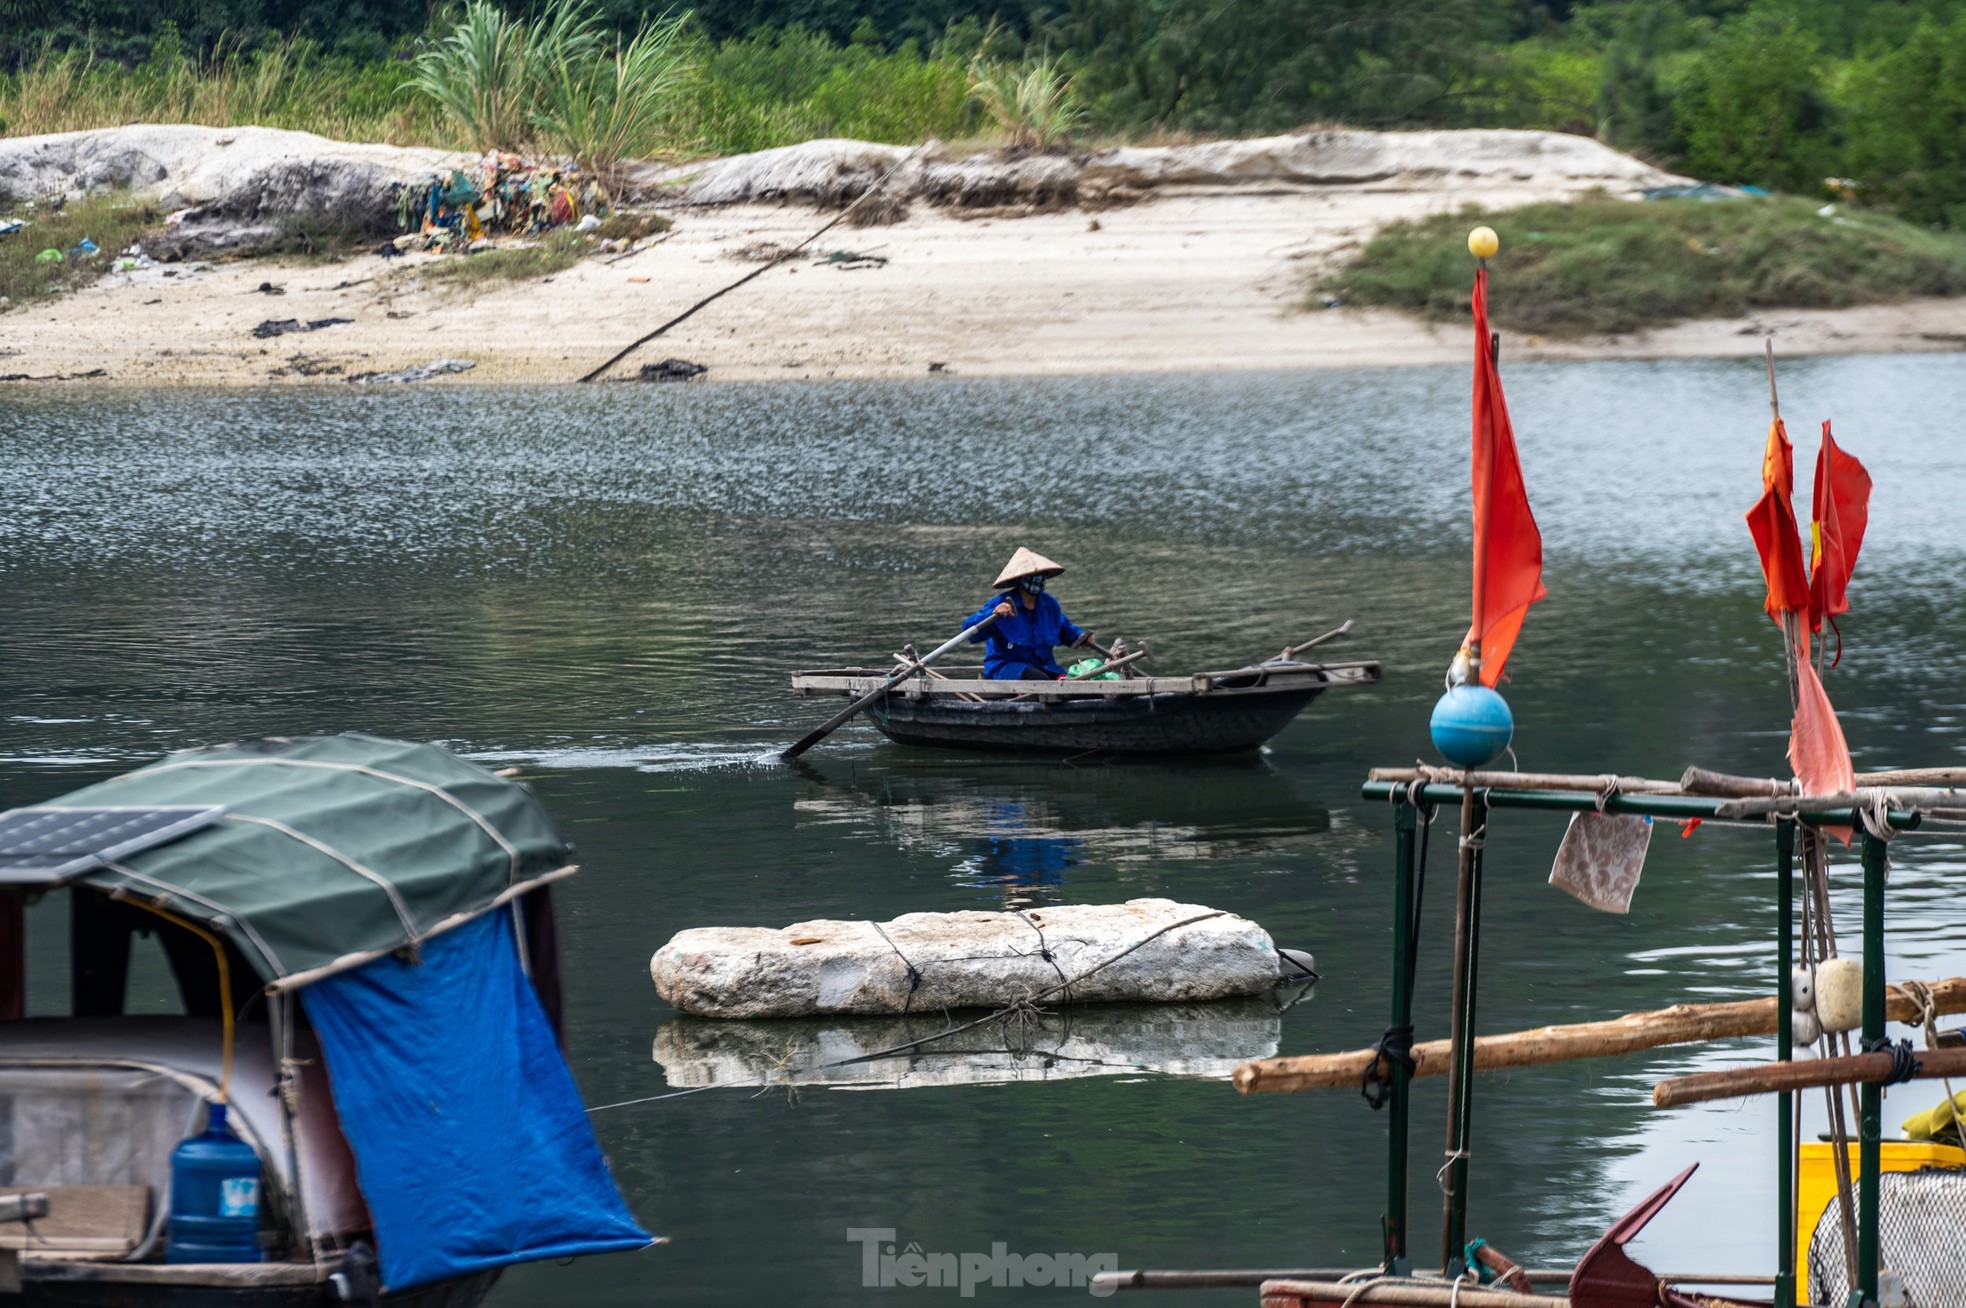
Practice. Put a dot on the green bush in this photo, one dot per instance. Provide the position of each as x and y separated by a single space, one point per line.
1617 266
1907 126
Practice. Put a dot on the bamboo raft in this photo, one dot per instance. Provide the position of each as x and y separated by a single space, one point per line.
1226 712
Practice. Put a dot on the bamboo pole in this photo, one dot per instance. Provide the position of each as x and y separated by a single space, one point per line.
1774 1078
1410 1294
1526 780
1632 1033
1699 781
1899 797
1913 777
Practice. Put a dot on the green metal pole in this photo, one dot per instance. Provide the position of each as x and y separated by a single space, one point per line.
1870 1100
1784 1050
1398 1257
1460 1072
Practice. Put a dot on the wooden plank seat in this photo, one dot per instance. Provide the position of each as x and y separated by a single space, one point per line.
97 1221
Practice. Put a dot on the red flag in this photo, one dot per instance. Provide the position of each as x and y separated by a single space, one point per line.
1772 521
1508 549
1818 752
1841 511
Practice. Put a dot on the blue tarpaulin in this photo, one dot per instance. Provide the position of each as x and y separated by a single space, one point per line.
471 1144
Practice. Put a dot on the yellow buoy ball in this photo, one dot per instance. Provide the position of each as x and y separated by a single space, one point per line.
1482 243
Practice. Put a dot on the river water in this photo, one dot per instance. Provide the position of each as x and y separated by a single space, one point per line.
609 585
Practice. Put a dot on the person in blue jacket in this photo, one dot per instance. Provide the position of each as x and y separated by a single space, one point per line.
1029 625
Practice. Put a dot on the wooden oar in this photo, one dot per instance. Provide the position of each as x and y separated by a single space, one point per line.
1292 651
895 678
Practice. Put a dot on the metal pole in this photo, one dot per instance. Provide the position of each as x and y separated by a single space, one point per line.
1460 1064
1398 1258
1871 1100
1785 1050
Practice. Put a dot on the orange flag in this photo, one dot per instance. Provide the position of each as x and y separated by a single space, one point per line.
1817 750
1508 549
1840 513
1772 521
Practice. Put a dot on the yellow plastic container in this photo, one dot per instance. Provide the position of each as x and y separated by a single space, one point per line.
1816 1180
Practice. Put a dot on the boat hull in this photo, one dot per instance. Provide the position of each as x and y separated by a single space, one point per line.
261 1285
1139 725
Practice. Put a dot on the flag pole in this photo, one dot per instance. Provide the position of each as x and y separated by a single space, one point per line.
1482 495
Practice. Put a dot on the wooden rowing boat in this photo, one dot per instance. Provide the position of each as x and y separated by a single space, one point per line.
1204 713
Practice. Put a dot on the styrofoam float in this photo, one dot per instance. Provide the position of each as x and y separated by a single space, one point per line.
930 961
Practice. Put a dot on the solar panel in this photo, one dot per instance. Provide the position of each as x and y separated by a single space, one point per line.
46 844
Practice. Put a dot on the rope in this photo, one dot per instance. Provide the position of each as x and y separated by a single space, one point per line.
1904 1063
914 973
1609 792
1928 1007
1396 1048
1453 1156
755 273
1876 816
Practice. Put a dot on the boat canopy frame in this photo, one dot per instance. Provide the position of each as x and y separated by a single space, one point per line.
1875 819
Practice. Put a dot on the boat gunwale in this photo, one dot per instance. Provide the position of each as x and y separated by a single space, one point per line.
1282 678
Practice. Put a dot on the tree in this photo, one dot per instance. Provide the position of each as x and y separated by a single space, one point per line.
1753 108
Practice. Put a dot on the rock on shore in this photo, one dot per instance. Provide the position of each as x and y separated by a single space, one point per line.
239 184
923 962
832 172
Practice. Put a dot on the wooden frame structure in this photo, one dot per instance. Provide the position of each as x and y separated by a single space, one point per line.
1407 791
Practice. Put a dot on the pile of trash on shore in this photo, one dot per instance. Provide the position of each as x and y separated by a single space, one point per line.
503 194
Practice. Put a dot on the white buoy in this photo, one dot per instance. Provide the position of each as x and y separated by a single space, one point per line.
1840 994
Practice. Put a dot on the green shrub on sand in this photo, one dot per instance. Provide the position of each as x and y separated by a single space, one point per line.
1600 265
112 221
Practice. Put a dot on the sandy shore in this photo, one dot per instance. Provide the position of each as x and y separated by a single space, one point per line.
1187 281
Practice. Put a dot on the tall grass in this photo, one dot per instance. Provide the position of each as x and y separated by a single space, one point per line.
1614 266
1034 106
779 88
289 84
479 77
601 111
480 83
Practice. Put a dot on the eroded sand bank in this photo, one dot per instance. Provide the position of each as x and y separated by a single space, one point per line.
1189 278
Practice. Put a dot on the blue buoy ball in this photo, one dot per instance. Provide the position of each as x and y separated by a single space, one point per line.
1471 726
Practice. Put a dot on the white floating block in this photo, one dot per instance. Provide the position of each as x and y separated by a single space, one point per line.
930 961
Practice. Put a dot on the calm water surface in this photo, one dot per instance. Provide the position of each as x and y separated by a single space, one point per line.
609 585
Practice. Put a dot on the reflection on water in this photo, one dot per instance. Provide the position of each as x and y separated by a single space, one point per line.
1187 1040
609 586
1019 828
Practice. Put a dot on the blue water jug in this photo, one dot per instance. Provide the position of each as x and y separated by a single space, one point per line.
214 1197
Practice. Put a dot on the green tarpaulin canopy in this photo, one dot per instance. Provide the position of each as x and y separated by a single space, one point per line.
333 849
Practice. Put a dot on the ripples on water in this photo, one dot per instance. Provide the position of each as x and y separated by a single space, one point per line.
608 585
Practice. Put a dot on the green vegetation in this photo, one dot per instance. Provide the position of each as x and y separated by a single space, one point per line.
1034 108
1613 266
113 222
556 252
1863 102
557 82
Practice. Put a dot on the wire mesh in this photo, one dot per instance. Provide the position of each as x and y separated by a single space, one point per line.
1921 1232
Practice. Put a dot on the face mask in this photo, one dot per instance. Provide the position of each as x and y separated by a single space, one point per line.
1031 585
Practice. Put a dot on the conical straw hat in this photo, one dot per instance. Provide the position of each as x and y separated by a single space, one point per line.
1025 563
